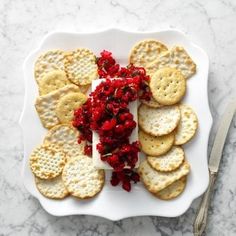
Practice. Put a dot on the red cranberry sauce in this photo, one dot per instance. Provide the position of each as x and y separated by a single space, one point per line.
106 112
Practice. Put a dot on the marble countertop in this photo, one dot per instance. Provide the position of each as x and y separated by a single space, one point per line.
23 23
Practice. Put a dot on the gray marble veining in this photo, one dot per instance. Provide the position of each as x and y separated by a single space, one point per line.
211 24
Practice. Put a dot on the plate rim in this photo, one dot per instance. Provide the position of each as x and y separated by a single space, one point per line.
22 115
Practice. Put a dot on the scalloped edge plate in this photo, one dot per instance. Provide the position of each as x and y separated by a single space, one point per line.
114 203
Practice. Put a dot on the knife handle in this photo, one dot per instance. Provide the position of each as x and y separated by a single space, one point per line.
201 218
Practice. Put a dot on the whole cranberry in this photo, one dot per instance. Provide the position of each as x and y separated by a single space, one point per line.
119 129
130 124
109 124
114 181
126 185
113 160
126 116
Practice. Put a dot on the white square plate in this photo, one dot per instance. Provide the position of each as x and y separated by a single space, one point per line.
114 203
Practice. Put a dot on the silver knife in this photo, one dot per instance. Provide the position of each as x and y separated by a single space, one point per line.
214 163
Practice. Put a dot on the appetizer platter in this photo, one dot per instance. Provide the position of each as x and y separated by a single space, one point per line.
116 124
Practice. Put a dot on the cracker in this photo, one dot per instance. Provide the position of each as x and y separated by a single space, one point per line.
187 126
158 121
66 136
52 188
168 86
47 161
155 146
151 103
81 178
155 181
173 190
146 51
52 81
81 67
67 104
46 105
49 61
176 58
169 161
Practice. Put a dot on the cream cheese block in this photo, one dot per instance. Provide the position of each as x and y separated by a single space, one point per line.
133 107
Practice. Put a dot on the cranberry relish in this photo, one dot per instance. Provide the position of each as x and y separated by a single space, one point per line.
106 112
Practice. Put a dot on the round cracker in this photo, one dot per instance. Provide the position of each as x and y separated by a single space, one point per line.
151 103
46 105
52 188
173 190
146 51
49 61
67 104
155 146
47 161
168 86
52 81
81 67
66 136
169 161
158 121
176 58
187 126
155 181
81 178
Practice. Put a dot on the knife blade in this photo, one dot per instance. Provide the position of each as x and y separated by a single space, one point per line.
218 145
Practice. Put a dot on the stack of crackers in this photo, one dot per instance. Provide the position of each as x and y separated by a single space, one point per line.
59 164
165 124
